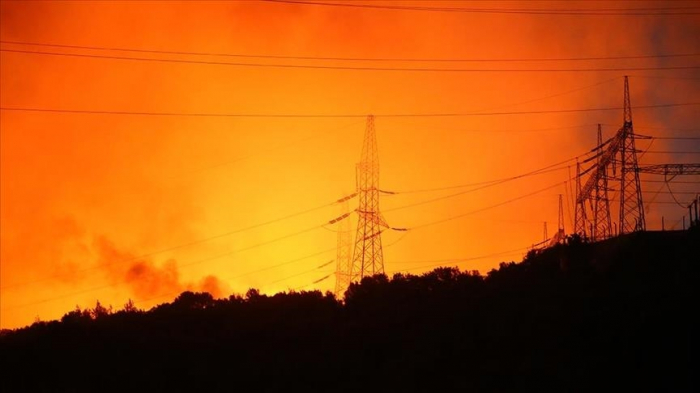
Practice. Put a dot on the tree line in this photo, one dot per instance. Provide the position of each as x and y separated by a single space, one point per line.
613 315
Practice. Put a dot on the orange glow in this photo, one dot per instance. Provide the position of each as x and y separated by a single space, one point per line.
90 201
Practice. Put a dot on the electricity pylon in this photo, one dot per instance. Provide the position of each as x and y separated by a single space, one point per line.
368 258
580 210
602 223
631 206
560 235
560 223
343 255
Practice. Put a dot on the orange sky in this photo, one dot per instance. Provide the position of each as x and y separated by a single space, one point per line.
89 202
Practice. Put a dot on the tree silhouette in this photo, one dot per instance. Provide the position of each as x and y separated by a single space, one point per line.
616 314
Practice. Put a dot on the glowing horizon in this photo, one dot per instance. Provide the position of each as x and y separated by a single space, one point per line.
111 207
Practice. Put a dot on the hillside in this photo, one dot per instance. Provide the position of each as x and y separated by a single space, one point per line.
615 315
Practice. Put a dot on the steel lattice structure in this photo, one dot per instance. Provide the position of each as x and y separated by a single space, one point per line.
560 235
368 258
671 170
580 211
631 205
343 256
602 222
631 216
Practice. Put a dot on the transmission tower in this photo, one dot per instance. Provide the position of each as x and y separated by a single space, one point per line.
343 255
560 224
602 223
367 258
560 235
631 207
580 212
545 237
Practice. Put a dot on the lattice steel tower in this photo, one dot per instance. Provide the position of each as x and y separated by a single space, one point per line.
622 145
602 223
560 235
368 258
343 256
631 207
580 211
560 219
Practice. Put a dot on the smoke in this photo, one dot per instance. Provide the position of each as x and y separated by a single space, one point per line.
146 278
55 248
214 286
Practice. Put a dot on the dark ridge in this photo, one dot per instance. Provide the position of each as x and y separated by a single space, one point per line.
610 316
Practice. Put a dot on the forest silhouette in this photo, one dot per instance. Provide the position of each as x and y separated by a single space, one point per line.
615 315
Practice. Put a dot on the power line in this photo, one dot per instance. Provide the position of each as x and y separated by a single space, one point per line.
673 192
485 208
672 181
346 115
199 241
668 186
462 192
653 197
318 280
656 11
249 272
455 259
325 264
490 183
458 260
87 290
654 202
337 58
534 100
292 276
676 137
273 148
665 77
557 94
658 128
308 229
187 264
481 185
495 131
312 283
484 184
671 152
92 289
347 68
59 297
282 264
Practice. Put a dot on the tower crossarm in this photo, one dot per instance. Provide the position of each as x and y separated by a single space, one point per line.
598 171
671 169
